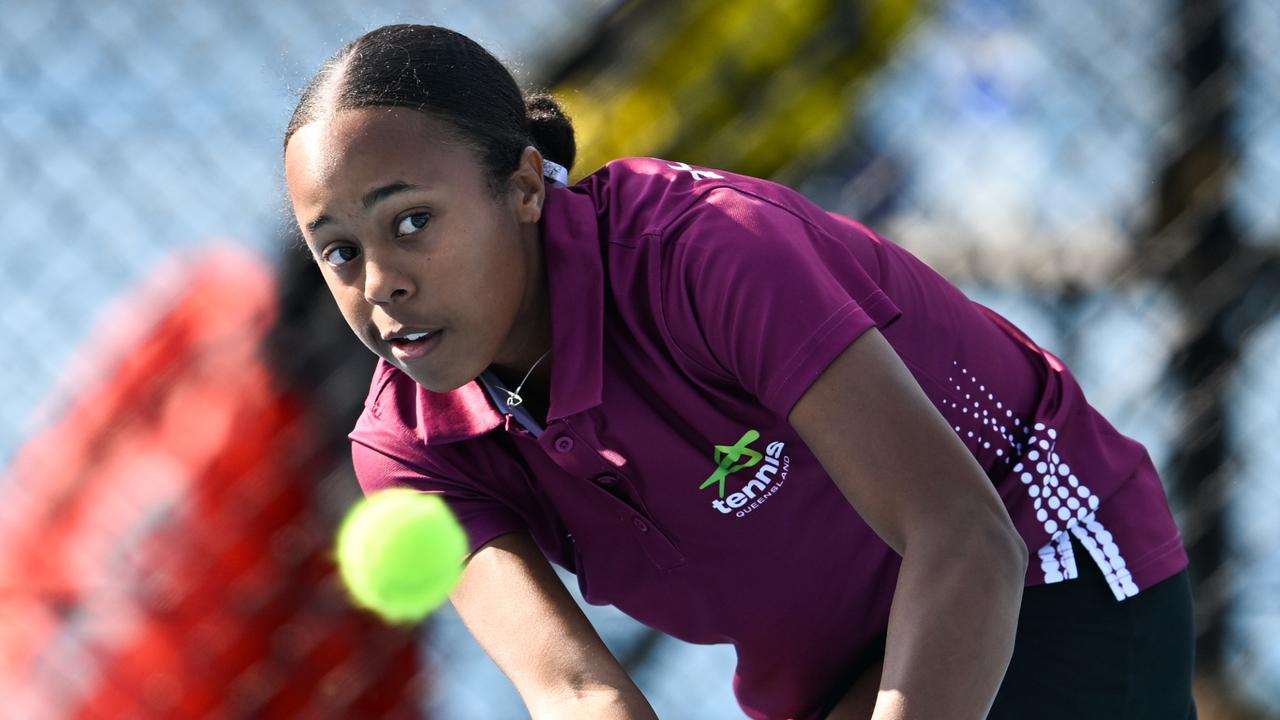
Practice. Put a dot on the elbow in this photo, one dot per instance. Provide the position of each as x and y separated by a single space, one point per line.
993 548
1007 550
990 551
1018 547
1024 556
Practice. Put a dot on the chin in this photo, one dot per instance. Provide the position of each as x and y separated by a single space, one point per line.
436 382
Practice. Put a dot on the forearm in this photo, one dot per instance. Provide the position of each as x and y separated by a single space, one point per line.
604 702
577 677
951 627
522 615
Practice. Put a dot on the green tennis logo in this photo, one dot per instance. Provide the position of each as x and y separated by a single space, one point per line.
727 455
771 469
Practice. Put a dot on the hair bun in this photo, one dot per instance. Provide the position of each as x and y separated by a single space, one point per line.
551 129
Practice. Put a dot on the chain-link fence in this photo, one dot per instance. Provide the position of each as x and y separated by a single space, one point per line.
177 386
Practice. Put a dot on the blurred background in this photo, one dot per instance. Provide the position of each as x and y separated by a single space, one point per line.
175 385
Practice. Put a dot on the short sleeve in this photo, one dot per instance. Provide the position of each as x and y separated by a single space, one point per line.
483 517
767 294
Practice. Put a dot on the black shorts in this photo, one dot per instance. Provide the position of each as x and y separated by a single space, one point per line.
1081 655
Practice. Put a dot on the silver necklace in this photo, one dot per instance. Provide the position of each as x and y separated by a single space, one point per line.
513 396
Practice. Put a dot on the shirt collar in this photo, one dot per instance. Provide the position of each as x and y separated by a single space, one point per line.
575 280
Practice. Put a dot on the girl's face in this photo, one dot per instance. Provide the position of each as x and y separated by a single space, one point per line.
432 270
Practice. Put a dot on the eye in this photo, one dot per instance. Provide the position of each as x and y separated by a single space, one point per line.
339 255
412 223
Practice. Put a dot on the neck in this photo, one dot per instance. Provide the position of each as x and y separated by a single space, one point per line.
530 337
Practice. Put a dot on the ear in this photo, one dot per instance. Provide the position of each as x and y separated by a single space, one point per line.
527 186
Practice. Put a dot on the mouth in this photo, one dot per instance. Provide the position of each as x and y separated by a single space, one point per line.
414 345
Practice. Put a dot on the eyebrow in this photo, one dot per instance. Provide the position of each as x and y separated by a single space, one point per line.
371 198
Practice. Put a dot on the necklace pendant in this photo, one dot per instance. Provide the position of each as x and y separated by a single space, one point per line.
513 396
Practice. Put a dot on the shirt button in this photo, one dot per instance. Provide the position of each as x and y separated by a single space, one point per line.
563 444
641 525
606 479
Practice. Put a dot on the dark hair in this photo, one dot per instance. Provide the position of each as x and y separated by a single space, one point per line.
449 76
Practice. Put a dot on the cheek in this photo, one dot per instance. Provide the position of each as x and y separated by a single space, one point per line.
502 279
504 258
351 305
482 268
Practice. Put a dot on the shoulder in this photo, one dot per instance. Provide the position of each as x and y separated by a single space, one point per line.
638 197
647 196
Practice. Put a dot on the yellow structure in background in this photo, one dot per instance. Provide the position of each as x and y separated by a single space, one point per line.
763 87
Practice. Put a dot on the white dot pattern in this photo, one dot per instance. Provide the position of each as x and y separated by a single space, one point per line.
1064 505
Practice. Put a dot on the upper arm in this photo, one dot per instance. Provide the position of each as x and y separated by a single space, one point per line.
521 614
790 308
891 452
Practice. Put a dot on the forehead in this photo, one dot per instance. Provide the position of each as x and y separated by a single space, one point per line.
345 150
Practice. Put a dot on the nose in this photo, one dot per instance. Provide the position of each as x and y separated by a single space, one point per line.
384 284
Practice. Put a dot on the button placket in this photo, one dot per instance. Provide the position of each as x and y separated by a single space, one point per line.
577 455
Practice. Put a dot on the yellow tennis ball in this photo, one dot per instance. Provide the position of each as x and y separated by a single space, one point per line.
400 553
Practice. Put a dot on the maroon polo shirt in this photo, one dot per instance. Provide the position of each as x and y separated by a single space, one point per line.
690 311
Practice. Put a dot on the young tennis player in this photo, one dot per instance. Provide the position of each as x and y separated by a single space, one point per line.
736 417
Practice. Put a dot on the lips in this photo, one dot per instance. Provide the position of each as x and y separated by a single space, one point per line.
413 344
406 333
